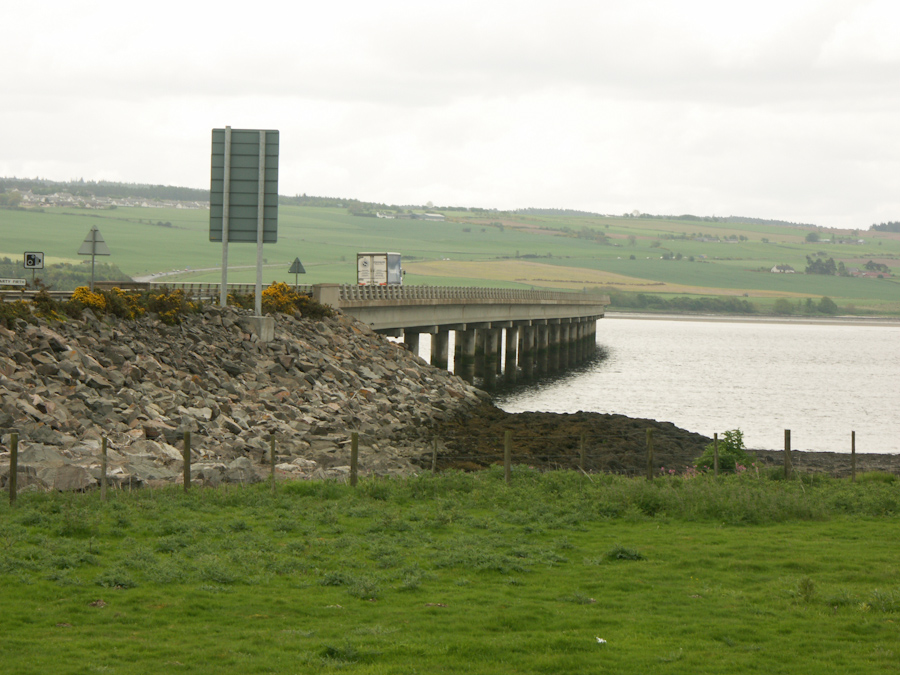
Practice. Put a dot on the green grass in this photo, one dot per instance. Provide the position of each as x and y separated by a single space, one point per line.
457 573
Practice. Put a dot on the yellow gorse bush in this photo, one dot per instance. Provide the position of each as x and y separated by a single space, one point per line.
279 297
89 299
131 303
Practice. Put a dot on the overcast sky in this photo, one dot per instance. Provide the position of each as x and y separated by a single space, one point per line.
783 109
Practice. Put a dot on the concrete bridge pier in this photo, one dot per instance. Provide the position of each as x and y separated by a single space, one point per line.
411 340
575 339
543 349
464 363
512 346
565 346
590 337
491 356
440 354
480 338
553 348
526 351
586 340
578 341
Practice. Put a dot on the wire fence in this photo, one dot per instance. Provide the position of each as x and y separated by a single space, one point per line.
585 452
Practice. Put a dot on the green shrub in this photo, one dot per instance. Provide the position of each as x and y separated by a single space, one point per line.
11 311
732 458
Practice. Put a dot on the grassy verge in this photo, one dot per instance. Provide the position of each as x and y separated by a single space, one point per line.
457 573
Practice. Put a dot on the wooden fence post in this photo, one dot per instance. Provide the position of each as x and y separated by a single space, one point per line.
354 457
853 456
272 460
507 456
787 453
103 469
581 458
649 453
716 454
187 461
13 467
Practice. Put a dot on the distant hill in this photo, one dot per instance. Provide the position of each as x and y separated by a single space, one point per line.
745 220
83 188
554 212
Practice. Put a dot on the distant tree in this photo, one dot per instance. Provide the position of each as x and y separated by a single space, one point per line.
893 226
11 199
827 306
820 266
632 240
877 267
812 237
783 306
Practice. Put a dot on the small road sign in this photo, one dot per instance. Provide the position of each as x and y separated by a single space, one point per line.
34 260
94 244
296 267
12 282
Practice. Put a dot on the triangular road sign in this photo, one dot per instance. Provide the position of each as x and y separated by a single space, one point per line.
297 267
94 244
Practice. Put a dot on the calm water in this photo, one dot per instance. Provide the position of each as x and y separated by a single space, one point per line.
819 381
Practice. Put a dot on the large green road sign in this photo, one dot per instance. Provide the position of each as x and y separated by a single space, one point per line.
244 171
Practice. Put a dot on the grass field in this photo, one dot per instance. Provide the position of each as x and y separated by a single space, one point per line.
457 574
499 250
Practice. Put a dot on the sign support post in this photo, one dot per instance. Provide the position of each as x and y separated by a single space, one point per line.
226 208
260 220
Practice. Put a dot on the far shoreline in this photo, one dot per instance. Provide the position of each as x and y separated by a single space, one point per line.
878 321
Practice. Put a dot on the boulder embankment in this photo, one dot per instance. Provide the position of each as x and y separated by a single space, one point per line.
66 385
143 384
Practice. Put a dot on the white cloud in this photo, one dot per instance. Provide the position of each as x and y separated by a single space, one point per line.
774 109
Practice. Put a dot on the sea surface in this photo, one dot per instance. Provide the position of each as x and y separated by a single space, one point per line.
821 381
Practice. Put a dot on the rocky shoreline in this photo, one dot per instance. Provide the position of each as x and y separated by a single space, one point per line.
143 384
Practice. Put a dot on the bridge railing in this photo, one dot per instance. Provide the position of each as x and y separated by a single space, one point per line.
205 291
349 293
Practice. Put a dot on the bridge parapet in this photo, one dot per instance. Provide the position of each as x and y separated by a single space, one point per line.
350 295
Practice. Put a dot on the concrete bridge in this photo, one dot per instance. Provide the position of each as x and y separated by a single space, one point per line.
495 332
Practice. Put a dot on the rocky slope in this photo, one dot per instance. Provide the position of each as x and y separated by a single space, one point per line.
65 385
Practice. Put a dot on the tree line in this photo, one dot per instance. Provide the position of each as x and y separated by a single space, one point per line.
892 226
83 188
729 305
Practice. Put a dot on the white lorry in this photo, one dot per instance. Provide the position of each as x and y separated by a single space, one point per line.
378 269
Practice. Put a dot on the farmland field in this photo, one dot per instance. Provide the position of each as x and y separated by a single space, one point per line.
665 257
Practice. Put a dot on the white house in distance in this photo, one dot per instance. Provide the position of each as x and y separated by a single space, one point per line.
783 269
